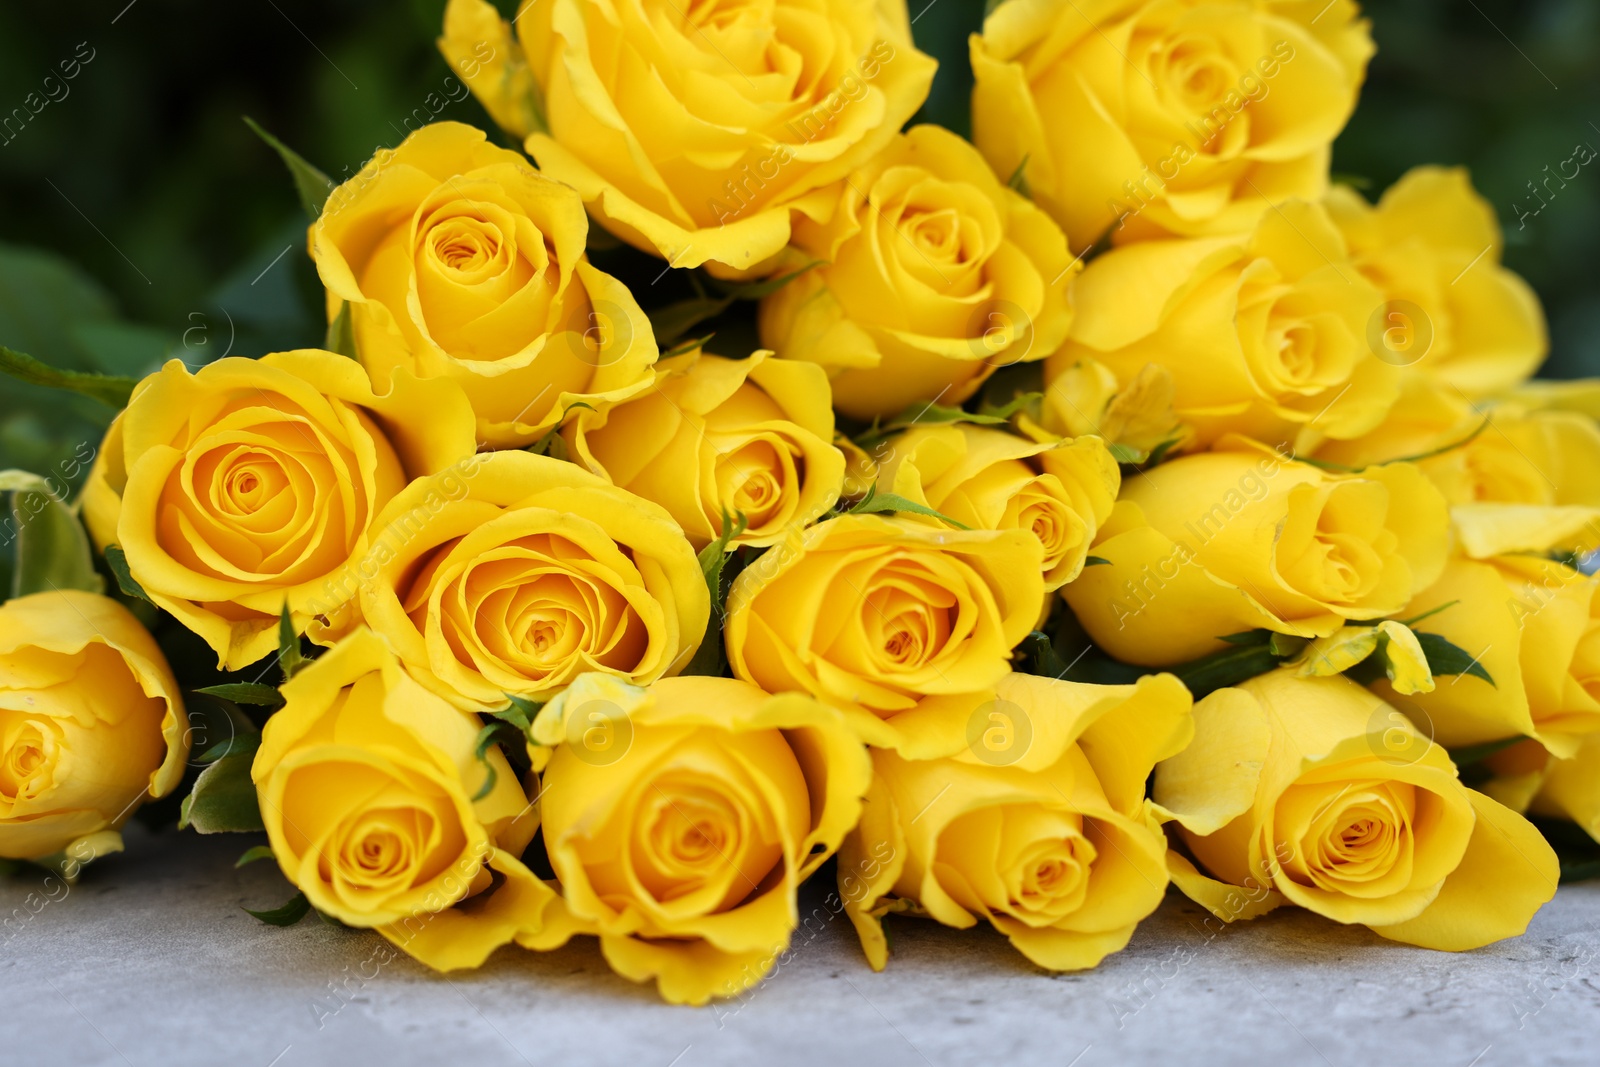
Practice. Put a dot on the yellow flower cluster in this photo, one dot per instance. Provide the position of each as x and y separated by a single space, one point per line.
628 643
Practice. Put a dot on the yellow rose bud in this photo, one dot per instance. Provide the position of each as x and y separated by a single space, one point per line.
522 572
91 725
1561 788
244 486
1044 833
1534 626
1272 324
989 479
1312 791
681 820
873 614
722 436
1084 398
1187 118
935 275
456 259
369 785
695 140
1432 246
1215 544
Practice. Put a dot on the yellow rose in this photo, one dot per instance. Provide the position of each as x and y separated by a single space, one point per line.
1215 544
694 137
522 574
1312 791
722 436
456 259
989 479
936 275
681 820
1271 325
246 485
1534 625
91 725
1190 117
1562 788
1084 397
369 788
1432 246
1041 830
873 614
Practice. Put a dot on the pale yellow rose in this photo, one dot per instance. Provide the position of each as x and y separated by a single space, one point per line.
1187 117
989 479
369 788
517 574
722 436
1215 544
1534 625
1024 807
1084 397
245 486
1263 332
456 259
934 275
91 725
682 818
1432 246
695 137
1312 791
874 614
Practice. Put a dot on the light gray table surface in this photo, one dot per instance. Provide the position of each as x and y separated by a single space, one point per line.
149 960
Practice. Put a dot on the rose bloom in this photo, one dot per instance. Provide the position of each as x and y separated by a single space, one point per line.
695 136
244 486
1312 791
935 275
367 784
456 259
1215 544
1186 118
1272 325
681 819
1084 398
1432 245
1534 625
989 479
873 614
520 576
91 725
1034 819
721 436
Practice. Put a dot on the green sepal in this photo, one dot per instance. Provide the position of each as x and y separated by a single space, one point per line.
259 852
313 186
255 693
117 563
286 914
876 503
341 336
708 658
1445 657
289 656
52 551
223 799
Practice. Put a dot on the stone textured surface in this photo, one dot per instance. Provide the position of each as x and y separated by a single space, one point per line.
150 961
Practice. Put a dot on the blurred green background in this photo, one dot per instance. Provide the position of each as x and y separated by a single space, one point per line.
142 219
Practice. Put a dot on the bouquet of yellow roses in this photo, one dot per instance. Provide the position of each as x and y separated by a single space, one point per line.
725 484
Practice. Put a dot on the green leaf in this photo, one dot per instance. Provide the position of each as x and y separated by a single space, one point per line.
341 336
1286 645
289 657
520 713
1019 402
52 547
1019 179
1158 454
1222 669
109 390
1248 637
757 290
708 658
117 561
1470 754
224 798
1096 561
1445 657
312 185
503 732
246 693
674 320
1411 623
1127 453
287 914
876 503
260 852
